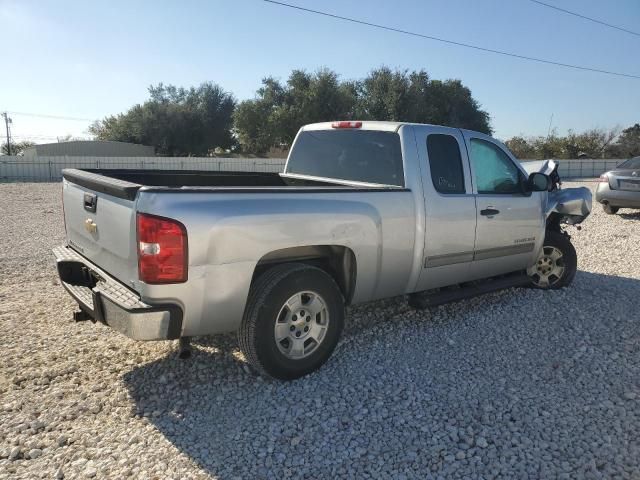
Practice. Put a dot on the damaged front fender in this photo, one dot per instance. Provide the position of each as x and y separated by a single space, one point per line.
569 205
564 205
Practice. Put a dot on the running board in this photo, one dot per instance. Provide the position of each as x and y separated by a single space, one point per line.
433 298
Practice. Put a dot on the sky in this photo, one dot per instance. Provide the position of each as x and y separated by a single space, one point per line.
87 60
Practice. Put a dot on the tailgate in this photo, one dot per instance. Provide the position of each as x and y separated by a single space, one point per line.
102 227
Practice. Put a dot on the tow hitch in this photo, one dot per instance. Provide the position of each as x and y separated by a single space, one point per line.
81 316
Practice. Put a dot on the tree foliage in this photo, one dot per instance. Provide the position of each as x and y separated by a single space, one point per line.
176 121
594 143
413 97
628 143
279 110
17 148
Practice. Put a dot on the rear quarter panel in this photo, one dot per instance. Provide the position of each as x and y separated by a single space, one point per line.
229 233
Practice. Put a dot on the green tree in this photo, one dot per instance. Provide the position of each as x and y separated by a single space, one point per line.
274 116
521 148
594 143
628 143
406 96
386 95
176 121
17 148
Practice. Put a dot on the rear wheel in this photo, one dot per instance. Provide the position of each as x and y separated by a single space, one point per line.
557 264
292 322
609 209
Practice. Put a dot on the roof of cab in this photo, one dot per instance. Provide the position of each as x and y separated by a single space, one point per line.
371 125
366 125
390 127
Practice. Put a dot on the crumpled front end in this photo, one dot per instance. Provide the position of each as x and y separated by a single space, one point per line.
569 205
564 205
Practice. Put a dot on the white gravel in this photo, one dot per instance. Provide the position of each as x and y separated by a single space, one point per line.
518 384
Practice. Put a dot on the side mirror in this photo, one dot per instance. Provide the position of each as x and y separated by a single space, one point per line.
538 182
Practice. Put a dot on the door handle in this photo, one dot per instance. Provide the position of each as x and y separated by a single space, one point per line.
489 212
90 202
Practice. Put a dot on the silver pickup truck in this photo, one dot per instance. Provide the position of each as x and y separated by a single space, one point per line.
363 211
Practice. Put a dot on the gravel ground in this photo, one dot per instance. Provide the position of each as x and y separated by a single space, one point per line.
515 384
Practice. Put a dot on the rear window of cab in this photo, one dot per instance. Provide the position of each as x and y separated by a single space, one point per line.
358 155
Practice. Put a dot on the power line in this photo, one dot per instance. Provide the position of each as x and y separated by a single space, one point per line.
452 42
57 117
594 20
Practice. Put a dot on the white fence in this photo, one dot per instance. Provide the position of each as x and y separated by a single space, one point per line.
49 169
584 168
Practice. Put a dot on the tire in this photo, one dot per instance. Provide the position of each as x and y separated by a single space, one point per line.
276 307
609 209
557 263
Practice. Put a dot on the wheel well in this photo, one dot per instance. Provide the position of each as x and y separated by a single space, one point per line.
553 222
338 261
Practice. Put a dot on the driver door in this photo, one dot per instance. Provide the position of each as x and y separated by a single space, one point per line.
510 220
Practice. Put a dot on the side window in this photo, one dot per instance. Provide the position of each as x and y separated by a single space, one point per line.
445 163
494 170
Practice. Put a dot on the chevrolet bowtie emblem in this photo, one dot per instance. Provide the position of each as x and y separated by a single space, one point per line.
90 226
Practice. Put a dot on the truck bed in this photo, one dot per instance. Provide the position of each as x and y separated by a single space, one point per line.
125 183
193 178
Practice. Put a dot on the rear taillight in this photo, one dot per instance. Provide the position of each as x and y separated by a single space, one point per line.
346 124
604 178
162 250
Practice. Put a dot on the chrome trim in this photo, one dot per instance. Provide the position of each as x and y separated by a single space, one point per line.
504 251
462 257
448 259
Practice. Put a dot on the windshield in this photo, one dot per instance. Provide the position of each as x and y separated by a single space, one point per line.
358 155
631 163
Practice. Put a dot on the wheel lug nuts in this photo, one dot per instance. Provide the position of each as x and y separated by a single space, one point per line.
298 333
292 328
306 329
302 313
308 319
294 318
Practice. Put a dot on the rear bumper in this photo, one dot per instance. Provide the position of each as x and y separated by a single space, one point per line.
617 198
108 301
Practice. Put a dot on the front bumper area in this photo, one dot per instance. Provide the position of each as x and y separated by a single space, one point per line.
106 300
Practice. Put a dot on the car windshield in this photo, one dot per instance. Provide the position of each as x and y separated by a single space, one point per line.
631 163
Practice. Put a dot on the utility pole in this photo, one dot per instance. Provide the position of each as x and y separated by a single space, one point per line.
549 129
7 121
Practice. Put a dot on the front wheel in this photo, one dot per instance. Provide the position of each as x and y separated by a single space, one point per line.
292 321
557 264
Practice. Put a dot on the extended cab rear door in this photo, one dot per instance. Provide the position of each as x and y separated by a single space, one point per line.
510 221
450 206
